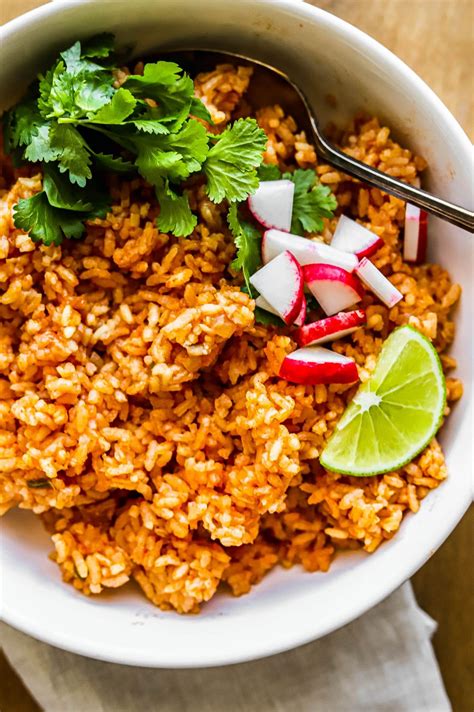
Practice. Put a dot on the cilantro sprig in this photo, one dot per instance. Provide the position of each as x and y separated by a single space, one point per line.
312 201
247 240
76 124
232 160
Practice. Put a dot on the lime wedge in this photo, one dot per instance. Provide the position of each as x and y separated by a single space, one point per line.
394 415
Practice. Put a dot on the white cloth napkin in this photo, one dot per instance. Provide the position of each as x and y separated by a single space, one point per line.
383 662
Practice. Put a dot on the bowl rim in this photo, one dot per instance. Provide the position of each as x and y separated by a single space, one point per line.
259 648
306 11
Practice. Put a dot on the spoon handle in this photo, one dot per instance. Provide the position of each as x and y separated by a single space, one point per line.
436 206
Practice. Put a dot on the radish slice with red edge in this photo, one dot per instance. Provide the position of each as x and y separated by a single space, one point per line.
262 303
272 203
280 283
333 287
330 329
306 251
301 318
314 365
354 238
416 232
378 283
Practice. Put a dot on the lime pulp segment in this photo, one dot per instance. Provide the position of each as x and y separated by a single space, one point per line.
394 414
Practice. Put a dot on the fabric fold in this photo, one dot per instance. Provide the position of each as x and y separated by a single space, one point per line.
381 662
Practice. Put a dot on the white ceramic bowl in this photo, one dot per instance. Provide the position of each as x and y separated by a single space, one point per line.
289 607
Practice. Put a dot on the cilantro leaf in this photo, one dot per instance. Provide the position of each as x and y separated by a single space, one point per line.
167 85
242 143
231 163
155 164
93 199
74 86
269 171
93 94
76 63
175 213
40 147
175 156
56 90
304 180
23 121
149 121
46 223
72 153
155 76
121 105
191 142
247 240
200 111
312 201
23 125
45 84
72 227
116 164
60 209
151 126
62 194
98 46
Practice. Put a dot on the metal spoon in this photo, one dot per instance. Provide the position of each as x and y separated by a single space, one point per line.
270 84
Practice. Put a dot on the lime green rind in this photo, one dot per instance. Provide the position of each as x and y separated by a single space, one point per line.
336 457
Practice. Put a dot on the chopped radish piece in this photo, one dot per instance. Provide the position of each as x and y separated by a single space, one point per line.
334 327
272 203
280 283
416 228
301 318
378 283
262 303
352 237
333 287
306 251
315 364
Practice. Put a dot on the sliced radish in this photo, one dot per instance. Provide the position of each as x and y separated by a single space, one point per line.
333 287
416 229
352 237
378 283
272 203
262 303
306 251
334 327
315 364
280 283
301 318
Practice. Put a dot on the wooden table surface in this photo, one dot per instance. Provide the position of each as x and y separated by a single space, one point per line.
435 38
